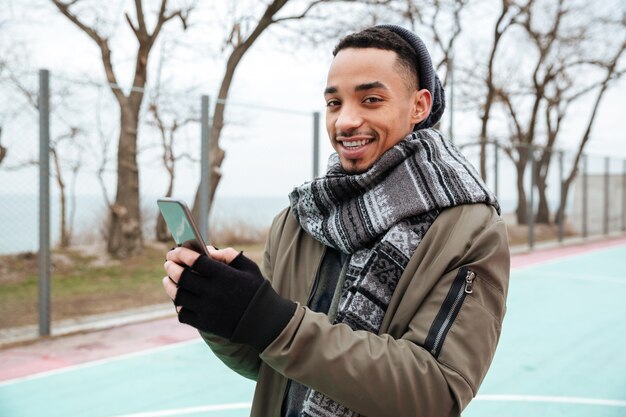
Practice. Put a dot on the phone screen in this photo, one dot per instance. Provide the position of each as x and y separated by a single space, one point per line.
179 221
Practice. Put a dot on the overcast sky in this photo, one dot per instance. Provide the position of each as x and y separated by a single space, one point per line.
268 152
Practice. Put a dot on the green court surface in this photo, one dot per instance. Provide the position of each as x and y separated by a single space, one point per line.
562 347
562 353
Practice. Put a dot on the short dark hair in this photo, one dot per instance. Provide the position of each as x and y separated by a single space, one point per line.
381 38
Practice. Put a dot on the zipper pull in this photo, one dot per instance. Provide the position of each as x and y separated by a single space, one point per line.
469 282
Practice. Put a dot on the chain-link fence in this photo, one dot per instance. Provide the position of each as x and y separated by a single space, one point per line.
551 195
268 150
19 191
599 205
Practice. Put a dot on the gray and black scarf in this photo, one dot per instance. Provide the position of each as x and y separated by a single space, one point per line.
379 218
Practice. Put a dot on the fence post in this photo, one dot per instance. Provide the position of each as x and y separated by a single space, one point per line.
495 176
316 144
205 166
562 211
624 196
531 220
607 162
584 196
44 203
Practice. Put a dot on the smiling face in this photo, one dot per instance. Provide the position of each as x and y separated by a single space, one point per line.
370 105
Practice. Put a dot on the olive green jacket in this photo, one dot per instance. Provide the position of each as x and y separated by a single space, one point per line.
435 343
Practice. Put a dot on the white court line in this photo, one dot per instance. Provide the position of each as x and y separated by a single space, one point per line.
550 399
97 362
191 410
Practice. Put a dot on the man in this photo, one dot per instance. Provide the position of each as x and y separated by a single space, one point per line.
383 285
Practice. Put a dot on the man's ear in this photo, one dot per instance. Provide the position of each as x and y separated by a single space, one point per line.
422 103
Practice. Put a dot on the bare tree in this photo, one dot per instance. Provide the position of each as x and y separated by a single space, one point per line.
612 73
557 104
125 235
508 16
439 20
243 33
556 36
59 153
67 213
432 18
106 140
67 198
240 41
168 133
545 71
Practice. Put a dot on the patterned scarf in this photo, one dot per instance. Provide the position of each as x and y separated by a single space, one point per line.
379 217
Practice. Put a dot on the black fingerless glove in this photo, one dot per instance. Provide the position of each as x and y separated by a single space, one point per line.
232 301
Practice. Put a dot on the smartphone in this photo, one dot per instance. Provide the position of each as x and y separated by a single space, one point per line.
178 219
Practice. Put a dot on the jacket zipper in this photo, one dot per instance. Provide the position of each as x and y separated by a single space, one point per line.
462 285
469 282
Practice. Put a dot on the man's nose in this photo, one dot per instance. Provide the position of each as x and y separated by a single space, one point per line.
349 119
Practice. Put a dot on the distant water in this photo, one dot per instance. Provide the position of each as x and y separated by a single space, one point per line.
19 217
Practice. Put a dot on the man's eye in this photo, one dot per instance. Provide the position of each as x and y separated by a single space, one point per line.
332 103
372 100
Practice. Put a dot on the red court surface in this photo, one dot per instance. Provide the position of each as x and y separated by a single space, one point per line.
52 354
57 353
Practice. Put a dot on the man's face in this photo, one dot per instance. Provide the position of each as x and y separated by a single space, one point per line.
369 106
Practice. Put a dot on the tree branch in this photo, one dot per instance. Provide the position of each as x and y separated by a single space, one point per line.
65 9
132 26
315 3
502 95
102 43
302 15
141 22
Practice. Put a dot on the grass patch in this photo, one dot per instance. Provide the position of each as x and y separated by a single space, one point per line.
86 282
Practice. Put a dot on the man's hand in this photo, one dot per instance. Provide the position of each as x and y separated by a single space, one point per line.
225 294
178 258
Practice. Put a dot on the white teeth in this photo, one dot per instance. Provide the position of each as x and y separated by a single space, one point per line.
356 143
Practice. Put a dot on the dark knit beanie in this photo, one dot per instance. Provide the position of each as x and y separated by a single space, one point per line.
428 79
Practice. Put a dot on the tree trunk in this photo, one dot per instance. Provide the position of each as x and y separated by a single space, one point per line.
560 213
520 167
587 134
125 237
522 206
543 209
542 168
497 36
65 236
217 154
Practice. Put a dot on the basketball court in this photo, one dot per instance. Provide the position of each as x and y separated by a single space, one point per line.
561 354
